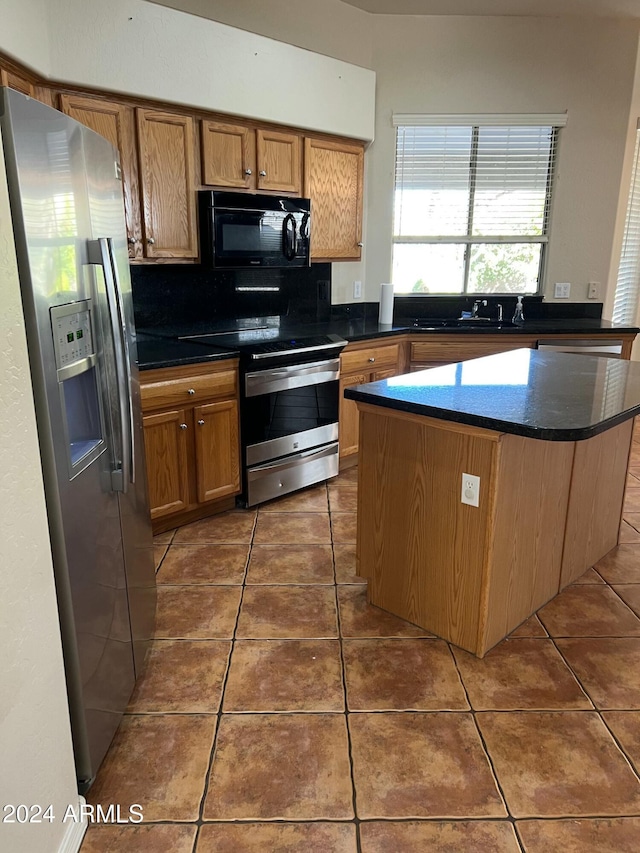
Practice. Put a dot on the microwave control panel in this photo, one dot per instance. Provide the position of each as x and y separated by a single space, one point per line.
72 335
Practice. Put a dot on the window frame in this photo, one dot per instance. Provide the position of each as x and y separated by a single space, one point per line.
554 122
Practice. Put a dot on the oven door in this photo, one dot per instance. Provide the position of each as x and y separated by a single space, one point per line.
289 409
259 238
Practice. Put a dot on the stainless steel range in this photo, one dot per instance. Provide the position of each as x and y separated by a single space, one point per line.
288 410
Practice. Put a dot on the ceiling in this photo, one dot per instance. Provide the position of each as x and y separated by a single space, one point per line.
534 8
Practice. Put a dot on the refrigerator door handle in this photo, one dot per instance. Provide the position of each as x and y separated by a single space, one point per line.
100 252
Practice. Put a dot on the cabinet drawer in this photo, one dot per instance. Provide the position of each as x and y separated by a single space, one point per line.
447 351
372 358
189 389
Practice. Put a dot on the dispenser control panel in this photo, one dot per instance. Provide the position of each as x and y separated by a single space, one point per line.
72 336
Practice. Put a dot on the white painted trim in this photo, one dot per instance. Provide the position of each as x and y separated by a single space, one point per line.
75 832
480 119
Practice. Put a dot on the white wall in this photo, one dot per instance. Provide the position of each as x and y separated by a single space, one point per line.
522 65
329 27
147 50
24 33
36 757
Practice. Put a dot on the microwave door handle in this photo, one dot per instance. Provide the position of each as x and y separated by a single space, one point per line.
100 253
289 236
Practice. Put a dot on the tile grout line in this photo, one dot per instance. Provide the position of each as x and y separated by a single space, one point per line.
356 821
200 821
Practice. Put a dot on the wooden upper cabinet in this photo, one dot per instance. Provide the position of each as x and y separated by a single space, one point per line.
333 180
239 156
278 161
167 181
228 155
115 122
15 81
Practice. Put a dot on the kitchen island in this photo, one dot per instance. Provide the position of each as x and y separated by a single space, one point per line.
547 434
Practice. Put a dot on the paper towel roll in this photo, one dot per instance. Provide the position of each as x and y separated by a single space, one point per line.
385 317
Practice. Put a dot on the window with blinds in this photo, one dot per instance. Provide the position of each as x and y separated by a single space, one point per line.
625 305
472 203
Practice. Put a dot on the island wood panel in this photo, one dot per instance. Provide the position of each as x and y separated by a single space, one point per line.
116 123
167 178
217 450
333 180
278 156
165 441
422 550
595 502
523 567
228 153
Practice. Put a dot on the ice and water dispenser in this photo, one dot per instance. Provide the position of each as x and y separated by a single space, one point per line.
78 379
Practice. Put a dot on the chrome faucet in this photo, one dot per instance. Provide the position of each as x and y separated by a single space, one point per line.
476 306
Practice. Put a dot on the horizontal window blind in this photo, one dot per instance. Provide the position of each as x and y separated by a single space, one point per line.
625 304
472 187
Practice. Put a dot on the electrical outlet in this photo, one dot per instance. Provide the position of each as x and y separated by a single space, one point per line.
593 290
470 490
357 290
563 289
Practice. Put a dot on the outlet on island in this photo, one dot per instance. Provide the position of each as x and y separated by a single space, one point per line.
470 490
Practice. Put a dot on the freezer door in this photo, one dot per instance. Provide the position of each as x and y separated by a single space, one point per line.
53 201
113 289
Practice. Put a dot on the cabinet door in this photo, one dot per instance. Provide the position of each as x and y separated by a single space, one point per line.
167 179
14 81
333 178
114 122
278 161
349 418
217 450
165 443
228 155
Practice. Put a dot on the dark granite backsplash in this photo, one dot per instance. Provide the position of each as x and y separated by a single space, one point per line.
409 308
175 294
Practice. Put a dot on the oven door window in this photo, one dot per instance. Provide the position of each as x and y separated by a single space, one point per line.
285 413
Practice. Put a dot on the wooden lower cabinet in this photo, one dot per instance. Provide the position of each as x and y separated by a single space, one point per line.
165 444
216 436
192 440
358 365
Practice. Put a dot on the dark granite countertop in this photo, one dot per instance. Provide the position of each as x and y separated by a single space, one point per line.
166 352
545 395
163 347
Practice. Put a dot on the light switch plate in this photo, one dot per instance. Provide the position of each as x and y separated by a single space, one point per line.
357 290
563 289
470 490
593 290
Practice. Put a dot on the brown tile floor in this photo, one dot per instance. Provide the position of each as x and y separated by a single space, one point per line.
281 712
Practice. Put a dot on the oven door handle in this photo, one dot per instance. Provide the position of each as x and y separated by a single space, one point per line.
304 456
297 376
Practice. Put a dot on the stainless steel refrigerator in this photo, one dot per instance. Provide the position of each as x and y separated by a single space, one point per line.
67 211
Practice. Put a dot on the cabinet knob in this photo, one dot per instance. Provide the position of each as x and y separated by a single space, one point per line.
262 173
248 172
150 241
372 360
183 426
191 391
201 422
132 240
361 244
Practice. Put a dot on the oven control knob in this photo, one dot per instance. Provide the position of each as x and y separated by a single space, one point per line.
191 391
200 422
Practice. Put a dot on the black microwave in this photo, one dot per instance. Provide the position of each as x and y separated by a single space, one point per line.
247 230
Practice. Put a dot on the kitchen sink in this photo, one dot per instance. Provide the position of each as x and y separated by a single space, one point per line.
461 323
